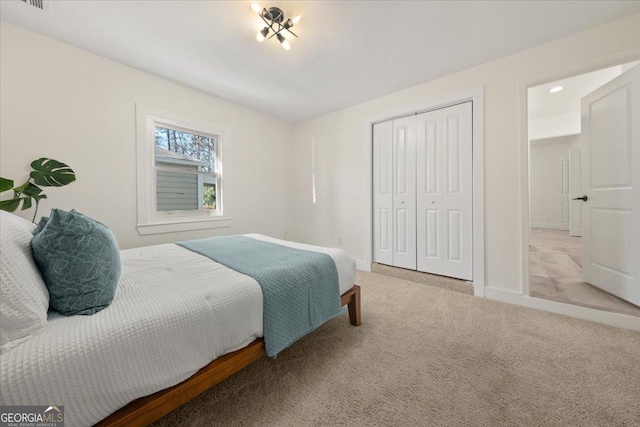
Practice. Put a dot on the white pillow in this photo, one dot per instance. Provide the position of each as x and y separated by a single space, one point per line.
24 299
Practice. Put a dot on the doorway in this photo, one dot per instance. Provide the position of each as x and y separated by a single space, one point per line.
582 187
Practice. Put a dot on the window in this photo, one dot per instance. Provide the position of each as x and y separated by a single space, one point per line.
186 175
181 184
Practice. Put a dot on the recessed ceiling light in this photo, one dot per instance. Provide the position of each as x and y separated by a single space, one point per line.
555 89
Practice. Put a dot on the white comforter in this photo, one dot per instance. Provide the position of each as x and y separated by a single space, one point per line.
174 312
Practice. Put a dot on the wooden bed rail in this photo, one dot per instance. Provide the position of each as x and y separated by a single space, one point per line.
144 411
351 299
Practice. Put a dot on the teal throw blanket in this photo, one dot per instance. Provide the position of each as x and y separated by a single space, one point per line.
300 288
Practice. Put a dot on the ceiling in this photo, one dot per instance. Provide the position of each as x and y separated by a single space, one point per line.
542 103
347 53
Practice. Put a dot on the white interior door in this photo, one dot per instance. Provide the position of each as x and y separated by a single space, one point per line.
611 181
575 187
383 193
445 192
404 193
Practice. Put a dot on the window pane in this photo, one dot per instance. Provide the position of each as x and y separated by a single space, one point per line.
176 191
209 196
184 149
192 153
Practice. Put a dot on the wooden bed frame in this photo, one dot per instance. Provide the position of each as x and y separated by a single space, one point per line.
144 411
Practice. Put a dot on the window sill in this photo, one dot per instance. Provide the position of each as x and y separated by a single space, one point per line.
183 224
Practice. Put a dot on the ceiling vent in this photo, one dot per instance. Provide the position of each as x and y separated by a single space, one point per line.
40 4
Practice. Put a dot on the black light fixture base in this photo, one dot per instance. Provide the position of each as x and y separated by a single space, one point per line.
277 15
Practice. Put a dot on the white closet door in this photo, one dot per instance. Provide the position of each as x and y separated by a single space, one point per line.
383 193
445 192
429 192
404 193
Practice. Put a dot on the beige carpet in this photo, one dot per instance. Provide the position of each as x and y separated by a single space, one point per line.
429 356
425 278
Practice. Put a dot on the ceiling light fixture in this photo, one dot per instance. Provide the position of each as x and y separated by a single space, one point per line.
262 34
556 89
276 24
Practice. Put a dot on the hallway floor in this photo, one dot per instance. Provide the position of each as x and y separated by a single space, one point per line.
555 273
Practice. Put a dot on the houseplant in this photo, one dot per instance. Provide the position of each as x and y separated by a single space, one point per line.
45 173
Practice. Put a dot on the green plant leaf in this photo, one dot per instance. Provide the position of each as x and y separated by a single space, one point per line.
5 184
17 191
31 190
11 204
51 173
26 204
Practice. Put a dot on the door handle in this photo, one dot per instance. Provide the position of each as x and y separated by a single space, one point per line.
583 198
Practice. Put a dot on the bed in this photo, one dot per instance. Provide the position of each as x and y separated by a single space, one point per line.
180 323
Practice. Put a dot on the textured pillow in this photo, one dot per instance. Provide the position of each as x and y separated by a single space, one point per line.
79 261
40 226
24 299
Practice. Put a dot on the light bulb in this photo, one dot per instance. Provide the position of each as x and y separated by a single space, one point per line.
256 7
262 34
555 89
286 45
296 19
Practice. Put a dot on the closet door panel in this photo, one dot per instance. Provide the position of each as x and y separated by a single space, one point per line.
404 193
429 191
444 192
458 197
383 193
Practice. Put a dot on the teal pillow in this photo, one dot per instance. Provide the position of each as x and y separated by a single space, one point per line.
41 224
79 261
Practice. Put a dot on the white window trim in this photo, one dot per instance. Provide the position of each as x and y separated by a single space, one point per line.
149 220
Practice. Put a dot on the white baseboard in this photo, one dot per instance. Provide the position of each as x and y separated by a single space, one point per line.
553 226
362 265
609 318
478 289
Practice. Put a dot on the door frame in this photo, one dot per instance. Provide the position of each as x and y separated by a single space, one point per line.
595 64
477 97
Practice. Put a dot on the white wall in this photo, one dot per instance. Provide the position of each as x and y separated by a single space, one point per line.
545 182
65 103
554 126
340 141
628 66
